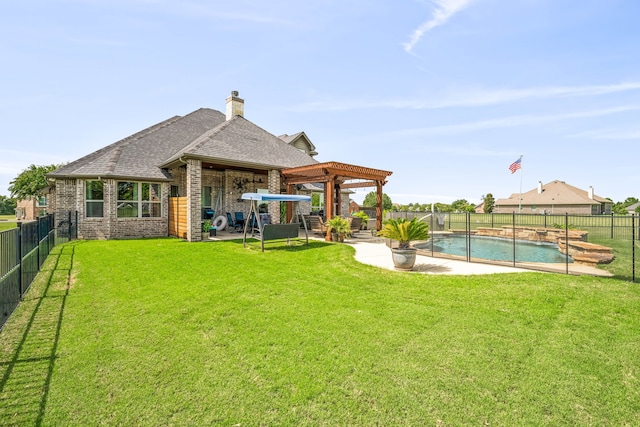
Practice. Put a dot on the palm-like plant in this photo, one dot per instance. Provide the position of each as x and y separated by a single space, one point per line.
404 231
339 225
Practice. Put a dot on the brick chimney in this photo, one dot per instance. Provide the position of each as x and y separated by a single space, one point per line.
235 105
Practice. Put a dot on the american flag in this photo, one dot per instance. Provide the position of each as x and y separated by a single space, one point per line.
515 165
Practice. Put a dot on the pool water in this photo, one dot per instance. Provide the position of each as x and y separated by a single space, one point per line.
495 249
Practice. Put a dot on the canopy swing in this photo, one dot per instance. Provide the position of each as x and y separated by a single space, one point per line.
268 232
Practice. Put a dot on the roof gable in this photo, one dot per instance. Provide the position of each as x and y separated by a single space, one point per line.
301 141
241 142
139 155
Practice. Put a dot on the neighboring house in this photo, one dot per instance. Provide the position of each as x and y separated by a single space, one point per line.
31 208
166 179
479 208
632 208
555 197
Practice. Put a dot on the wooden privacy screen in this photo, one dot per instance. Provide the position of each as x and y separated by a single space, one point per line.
178 217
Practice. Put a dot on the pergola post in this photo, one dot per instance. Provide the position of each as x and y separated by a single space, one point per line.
378 205
329 198
338 198
289 214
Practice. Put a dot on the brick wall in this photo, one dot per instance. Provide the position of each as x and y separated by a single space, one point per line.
275 184
194 194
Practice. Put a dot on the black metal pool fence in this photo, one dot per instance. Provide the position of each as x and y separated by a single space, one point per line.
23 251
620 232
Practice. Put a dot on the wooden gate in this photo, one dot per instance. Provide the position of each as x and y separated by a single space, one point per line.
178 217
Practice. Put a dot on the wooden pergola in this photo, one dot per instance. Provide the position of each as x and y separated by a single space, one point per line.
337 176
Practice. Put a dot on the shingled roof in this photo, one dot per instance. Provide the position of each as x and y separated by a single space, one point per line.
204 134
239 142
554 192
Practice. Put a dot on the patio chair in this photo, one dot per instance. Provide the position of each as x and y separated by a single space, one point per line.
239 217
233 223
316 225
356 222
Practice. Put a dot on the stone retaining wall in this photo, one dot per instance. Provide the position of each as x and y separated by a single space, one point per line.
580 250
533 234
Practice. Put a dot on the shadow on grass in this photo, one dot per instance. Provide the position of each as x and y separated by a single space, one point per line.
26 371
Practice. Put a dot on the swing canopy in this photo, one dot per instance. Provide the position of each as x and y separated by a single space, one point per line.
268 231
276 197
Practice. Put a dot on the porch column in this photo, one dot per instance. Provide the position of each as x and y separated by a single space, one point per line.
194 202
274 188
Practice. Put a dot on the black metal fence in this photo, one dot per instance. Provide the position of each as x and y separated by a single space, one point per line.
620 232
23 251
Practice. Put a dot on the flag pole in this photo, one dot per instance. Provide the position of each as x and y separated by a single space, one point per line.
520 198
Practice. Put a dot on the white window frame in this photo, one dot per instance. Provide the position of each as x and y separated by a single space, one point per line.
154 204
93 201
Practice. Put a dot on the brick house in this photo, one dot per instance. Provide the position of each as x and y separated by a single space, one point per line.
32 208
555 197
206 158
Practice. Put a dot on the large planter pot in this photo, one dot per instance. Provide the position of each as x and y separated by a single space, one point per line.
403 259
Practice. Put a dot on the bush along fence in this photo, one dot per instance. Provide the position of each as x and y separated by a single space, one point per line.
23 251
559 243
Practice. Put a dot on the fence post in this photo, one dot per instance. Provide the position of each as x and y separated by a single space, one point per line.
467 226
612 225
20 259
513 228
633 248
566 241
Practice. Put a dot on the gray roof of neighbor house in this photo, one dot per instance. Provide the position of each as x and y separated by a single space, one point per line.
203 134
299 138
554 192
633 207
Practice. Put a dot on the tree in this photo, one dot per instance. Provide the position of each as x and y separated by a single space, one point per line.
30 182
7 205
370 201
489 203
620 208
461 205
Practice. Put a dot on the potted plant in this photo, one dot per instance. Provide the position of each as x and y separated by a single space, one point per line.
340 227
207 228
365 219
404 256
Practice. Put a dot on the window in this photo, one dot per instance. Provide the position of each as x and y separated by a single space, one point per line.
175 191
41 206
94 197
139 199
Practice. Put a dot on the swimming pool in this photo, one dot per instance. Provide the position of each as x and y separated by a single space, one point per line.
494 248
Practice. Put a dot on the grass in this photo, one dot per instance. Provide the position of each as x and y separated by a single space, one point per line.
163 332
7 222
622 265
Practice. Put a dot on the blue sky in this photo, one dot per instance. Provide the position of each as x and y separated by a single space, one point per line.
444 93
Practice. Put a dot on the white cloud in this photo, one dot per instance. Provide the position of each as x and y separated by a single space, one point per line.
511 121
469 97
444 10
632 134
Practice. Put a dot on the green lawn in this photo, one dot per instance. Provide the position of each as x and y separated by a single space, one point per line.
164 332
7 221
